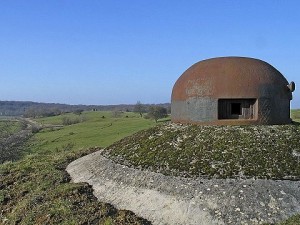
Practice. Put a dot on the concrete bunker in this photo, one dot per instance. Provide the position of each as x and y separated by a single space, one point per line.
231 90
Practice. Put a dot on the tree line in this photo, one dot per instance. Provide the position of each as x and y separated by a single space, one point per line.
153 111
35 109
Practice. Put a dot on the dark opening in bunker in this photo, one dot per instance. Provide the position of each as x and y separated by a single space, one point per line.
236 108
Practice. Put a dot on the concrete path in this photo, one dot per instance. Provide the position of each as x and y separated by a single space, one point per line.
173 200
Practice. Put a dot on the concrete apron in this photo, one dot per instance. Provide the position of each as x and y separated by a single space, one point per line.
174 200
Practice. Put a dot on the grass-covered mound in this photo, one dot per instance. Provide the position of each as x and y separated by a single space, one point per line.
271 152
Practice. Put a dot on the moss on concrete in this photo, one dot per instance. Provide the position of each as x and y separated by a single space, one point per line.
271 152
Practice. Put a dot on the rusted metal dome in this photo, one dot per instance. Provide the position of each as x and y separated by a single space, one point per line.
231 90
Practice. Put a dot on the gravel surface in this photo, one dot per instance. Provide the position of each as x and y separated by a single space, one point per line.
176 200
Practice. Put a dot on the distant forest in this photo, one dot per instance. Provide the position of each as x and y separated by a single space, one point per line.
35 109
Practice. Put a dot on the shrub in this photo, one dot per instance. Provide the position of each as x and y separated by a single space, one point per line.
69 121
157 112
35 129
78 111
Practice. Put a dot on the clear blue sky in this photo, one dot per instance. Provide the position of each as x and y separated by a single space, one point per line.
113 52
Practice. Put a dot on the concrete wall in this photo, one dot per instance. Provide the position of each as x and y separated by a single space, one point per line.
195 109
273 111
205 111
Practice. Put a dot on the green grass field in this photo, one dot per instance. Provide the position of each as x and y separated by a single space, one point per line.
93 131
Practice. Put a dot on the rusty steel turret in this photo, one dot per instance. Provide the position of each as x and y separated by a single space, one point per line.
232 91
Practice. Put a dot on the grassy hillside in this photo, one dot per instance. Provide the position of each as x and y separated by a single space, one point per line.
97 129
13 136
36 189
8 127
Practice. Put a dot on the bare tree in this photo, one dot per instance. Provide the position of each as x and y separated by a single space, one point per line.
116 113
139 108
